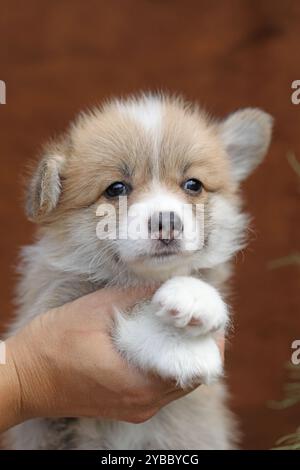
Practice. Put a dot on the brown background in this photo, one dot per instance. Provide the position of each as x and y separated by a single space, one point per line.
58 57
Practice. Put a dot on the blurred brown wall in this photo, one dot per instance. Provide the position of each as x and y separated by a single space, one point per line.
58 57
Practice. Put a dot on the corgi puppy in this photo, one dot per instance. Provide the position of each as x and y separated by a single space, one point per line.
160 154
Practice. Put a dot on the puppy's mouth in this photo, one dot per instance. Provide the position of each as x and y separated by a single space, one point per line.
162 253
158 259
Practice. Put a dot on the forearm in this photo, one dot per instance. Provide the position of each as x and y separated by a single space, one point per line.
10 396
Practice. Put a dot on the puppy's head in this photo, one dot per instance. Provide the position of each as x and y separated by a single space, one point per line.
147 185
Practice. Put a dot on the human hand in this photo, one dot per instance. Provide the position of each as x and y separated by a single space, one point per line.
63 363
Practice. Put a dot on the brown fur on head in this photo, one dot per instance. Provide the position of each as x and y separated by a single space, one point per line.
152 143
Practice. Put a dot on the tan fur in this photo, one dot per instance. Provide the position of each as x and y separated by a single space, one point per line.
103 146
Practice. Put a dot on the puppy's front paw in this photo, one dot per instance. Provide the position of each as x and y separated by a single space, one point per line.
152 346
190 304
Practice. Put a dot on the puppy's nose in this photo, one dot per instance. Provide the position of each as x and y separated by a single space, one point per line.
165 226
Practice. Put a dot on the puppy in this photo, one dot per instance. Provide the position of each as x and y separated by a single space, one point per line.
160 154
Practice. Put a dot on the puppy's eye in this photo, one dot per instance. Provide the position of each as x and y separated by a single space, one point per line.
192 186
117 189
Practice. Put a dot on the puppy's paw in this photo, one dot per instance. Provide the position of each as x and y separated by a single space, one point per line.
191 361
152 346
190 304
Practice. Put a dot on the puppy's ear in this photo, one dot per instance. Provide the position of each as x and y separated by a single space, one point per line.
44 188
246 135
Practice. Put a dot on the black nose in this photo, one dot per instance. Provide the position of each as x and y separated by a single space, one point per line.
165 226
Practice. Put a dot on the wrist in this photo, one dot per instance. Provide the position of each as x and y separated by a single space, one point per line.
34 373
11 406
26 376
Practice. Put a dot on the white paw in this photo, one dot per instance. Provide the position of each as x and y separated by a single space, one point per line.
190 304
150 345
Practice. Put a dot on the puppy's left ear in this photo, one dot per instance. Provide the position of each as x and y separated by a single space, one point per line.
44 188
246 135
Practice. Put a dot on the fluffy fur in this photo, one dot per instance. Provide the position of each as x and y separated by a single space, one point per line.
154 143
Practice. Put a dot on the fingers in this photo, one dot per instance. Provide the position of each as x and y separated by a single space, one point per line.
124 298
179 392
168 390
107 299
220 339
